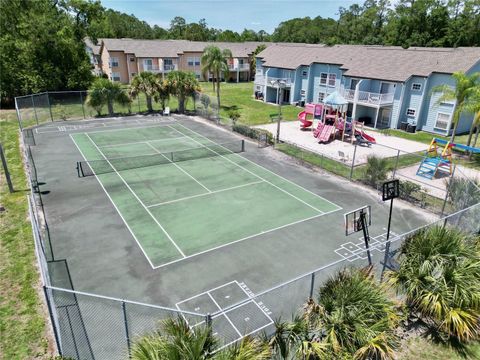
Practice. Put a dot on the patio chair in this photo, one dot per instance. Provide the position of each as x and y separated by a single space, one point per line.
342 156
166 112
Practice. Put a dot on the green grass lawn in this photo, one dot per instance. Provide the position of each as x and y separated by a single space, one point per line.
22 322
252 112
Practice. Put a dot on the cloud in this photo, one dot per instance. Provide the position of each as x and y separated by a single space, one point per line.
256 23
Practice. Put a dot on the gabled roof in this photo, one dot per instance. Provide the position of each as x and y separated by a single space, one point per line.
95 48
172 48
374 62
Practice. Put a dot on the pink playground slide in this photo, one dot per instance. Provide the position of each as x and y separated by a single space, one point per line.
367 137
326 133
302 116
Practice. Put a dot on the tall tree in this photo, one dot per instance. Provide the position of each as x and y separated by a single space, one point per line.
178 26
215 61
183 85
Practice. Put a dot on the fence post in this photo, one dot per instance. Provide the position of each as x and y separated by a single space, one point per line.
312 285
49 106
55 330
353 161
19 115
208 319
125 322
396 164
81 101
34 109
5 169
447 191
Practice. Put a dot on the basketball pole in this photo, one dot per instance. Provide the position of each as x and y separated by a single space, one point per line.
366 236
387 245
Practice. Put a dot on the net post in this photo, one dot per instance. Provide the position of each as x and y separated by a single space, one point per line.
312 285
127 334
79 169
243 145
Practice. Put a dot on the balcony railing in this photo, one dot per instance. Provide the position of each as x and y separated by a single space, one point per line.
239 67
270 79
169 67
157 69
366 97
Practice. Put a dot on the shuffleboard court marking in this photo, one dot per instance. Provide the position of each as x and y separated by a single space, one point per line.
205 194
178 167
115 206
254 301
224 315
141 142
254 163
138 199
252 173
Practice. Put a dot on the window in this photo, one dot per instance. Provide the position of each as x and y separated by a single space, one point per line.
302 92
321 96
416 86
193 61
133 74
304 73
148 64
132 59
411 112
258 87
115 76
328 79
190 61
442 122
259 72
113 61
167 61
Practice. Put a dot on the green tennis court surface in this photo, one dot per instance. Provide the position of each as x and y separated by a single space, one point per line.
176 210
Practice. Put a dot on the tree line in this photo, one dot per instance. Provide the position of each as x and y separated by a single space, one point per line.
41 45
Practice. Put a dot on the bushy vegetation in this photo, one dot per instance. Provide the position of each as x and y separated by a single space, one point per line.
252 132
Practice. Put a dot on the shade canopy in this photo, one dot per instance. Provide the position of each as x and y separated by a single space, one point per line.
335 99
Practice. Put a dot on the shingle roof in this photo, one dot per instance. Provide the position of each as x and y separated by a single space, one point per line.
375 62
95 48
172 48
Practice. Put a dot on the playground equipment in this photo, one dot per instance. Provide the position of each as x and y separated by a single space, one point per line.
316 110
434 163
334 125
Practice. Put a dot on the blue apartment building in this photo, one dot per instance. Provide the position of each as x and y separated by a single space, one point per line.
384 86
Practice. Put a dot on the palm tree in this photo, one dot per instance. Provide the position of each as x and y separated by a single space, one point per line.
145 82
105 92
175 340
162 91
214 61
376 170
473 106
354 317
439 274
182 84
463 85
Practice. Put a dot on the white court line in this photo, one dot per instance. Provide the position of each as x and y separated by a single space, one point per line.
252 173
254 163
135 195
178 167
115 206
142 142
243 239
132 128
205 194
203 293
225 315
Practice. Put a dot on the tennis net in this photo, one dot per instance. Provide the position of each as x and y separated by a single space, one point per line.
97 167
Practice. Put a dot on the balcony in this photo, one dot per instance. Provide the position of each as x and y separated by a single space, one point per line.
270 79
169 67
156 69
239 67
368 98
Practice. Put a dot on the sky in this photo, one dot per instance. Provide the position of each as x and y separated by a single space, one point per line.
227 14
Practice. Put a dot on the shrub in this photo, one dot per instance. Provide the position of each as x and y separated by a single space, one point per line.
376 171
252 132
234 115
408 190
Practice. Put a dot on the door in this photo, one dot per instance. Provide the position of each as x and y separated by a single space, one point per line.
384 120
386 88
353 84
286 96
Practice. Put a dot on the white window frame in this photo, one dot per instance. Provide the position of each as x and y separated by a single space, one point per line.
146 65
259 71
326 78
115 78
321 96
302 92
114 61
419 87
410 110
448 121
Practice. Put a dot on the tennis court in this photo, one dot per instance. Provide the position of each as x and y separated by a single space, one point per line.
181 195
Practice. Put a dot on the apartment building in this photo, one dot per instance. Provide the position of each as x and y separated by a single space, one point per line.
121 59
93 52
384 86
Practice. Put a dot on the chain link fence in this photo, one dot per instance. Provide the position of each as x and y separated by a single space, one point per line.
90 326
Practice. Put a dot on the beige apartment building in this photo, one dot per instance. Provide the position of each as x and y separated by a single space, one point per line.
121 59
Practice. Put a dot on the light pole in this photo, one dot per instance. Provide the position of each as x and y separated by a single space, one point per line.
280 84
